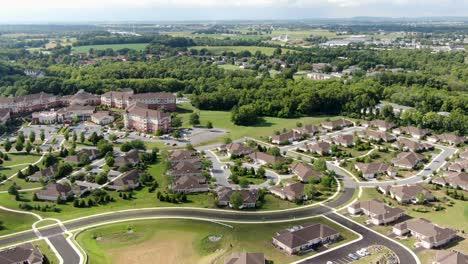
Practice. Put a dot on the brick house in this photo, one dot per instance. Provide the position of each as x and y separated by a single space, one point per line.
140 118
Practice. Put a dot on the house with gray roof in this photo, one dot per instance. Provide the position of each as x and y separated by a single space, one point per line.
22 254
430 235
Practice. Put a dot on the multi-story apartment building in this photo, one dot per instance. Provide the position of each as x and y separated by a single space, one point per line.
30 102
139 117
124 99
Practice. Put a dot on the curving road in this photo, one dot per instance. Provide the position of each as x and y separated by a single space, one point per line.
55 234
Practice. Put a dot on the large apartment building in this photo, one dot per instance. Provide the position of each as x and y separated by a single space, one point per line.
124 99
139 117
30 102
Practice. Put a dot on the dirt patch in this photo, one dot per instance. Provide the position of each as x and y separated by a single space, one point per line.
166 247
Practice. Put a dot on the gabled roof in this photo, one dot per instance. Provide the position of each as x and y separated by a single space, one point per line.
408 159
267 157
142 110
189 182
302 234
407 192
451 257
25 253
55 190
373 168
129 178
183 154
305 171
319 146
431 233
378 209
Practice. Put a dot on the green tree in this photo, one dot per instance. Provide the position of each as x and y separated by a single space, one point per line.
28 147
194 119
245 115
209 125
7 145
19 145
236 200
82 137
42 136
320 164
32 136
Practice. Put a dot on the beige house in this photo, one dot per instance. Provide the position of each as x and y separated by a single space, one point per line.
304 237
378 212
430 235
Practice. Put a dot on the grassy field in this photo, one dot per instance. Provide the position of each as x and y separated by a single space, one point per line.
14 222
47 251
217 50
132 46
222 119
183 241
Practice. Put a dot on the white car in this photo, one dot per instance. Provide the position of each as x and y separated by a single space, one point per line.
329 262
360 253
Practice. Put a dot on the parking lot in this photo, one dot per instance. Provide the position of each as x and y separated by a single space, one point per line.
49 130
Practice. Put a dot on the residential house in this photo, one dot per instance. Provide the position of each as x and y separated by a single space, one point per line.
128 181
245 258
382 125
408 160
307 130
22 254
337 124
249 197
418 133
456 180
464 154
265 158
376 135
55 191
131 158
292 192
80 156
321 148
190 184
180 155
102 118
304 237
411 145
371 170
44 174
345 140
140 118
450 139
458 165
410 193
236 149
378 212
450 257
185 168
285 138
305 172
4 115
430 235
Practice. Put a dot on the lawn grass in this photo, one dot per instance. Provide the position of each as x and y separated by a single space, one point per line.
14 222
183 241
218 50
222 119
455 216
47 252
132 46
21 158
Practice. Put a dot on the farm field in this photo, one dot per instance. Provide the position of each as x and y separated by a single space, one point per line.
132 46
184 241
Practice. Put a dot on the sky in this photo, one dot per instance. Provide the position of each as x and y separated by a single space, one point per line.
24 11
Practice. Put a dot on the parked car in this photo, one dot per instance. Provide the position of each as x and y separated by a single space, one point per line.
352 256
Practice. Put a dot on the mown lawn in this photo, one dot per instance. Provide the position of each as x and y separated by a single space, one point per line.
47 252
222 119
183 241
14 222
132 46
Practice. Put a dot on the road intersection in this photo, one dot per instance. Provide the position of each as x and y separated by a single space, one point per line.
69 253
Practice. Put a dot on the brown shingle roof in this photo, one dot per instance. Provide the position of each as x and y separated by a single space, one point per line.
140 109
305 233
431 233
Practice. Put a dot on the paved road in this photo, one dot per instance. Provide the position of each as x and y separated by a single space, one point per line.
369 238
67 253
